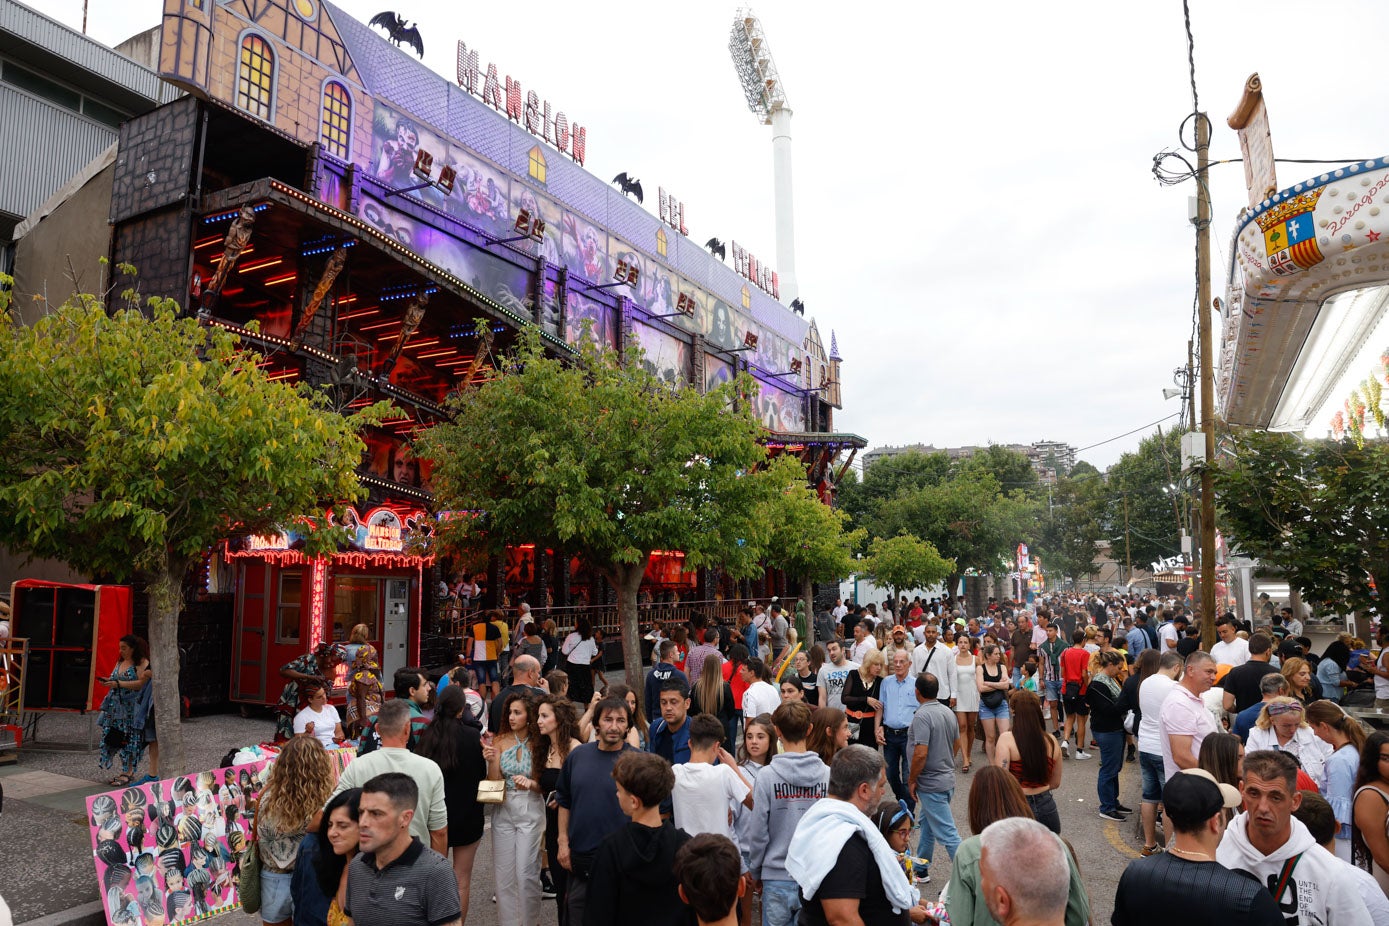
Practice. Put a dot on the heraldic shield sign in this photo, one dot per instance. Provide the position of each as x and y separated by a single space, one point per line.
1290 235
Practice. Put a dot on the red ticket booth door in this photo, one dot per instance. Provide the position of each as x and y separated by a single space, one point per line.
254 606
74 634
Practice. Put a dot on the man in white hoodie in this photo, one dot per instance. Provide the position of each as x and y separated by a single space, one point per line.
1308 884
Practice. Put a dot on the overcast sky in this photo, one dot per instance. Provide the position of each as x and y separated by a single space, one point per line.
976 216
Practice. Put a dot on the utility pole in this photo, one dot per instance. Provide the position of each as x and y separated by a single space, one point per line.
1128 554
1203 316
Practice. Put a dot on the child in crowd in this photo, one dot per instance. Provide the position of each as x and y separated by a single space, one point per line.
711 882
704 791
633 878
1029 674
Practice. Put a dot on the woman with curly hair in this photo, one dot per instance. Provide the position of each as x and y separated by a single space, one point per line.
300 781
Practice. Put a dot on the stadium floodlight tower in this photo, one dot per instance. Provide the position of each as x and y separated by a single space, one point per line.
752 59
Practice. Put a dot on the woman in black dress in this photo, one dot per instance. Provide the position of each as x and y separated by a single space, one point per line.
559 731
457 749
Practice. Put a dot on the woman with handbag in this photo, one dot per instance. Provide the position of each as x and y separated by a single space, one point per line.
124 710
517 759
300 781
456 747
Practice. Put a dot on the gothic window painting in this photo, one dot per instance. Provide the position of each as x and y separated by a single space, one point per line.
337 119
537 164
661 243
255 82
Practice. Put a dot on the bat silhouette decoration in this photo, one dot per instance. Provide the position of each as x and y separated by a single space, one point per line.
629 186
717 248
399 32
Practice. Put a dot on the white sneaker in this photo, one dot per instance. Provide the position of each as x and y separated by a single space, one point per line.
1066 748
1082 754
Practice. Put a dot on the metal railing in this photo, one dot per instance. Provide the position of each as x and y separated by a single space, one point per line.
455 623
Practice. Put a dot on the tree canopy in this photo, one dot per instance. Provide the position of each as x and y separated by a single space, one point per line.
904 562
136 440
1314 510
809 540
1073 523
1143 476
600 457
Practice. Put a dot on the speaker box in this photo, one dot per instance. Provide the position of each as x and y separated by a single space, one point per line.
72 673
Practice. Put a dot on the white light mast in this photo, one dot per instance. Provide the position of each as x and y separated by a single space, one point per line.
752 59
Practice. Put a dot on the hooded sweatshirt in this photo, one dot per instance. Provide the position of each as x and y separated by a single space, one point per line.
633 879
1318 892
784 790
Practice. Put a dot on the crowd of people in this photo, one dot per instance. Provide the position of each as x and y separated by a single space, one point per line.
816 783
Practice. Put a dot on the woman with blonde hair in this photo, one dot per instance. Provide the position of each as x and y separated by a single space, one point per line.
1282 725
1298 672
712 695
300 781
364 693
860 697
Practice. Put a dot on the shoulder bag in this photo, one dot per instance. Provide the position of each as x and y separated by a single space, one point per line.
491 791
248 871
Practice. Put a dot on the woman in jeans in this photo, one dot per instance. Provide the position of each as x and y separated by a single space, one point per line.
300 781
1032 757
517 756
992 681
1107 726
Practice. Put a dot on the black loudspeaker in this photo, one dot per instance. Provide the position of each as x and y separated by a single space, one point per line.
36 674
36 606
76 617
72 673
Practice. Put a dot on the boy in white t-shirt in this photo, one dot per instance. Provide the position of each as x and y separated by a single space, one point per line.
704 792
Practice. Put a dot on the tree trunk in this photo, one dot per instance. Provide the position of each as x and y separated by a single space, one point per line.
165 590
626 579
808 596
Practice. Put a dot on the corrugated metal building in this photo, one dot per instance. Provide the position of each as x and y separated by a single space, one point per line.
62 98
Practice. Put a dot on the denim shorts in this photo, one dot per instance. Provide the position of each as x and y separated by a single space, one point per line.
994 713
486 671
276 904
1054 690
1153 777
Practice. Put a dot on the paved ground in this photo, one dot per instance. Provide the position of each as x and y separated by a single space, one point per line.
45 850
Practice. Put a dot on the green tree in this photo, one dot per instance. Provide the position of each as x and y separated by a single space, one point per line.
967 517
810 542
1012 470
135 441
888 478
904 562
1073 523
602 458
1145 476
1314 510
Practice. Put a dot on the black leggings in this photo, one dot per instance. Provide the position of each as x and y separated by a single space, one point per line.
1044 809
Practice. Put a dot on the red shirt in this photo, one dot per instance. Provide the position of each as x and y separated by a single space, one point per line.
1074 661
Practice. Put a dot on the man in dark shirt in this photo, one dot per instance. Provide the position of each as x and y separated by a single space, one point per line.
525 679
1242 682
1191 642
1186 877
852 890
395 879
588 805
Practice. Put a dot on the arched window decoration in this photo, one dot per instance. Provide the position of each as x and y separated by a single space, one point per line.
255 82
747 298
336 125
537 164
661 242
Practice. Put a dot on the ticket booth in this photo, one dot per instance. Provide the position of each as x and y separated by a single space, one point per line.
74 634
287 603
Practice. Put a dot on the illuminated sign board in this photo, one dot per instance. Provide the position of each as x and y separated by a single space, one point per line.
532 112
755 271
267 542
384 531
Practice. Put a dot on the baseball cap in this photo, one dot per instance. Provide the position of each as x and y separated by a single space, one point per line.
899 629
1193 795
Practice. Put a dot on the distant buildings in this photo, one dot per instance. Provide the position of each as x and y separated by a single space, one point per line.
1049 458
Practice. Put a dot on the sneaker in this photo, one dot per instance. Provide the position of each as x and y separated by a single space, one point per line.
1131 756
1122 809
923 877
1111 815
1066 748
547 886
1082 754
1152 850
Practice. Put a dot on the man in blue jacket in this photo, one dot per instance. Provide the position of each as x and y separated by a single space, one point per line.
670 735
662 671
